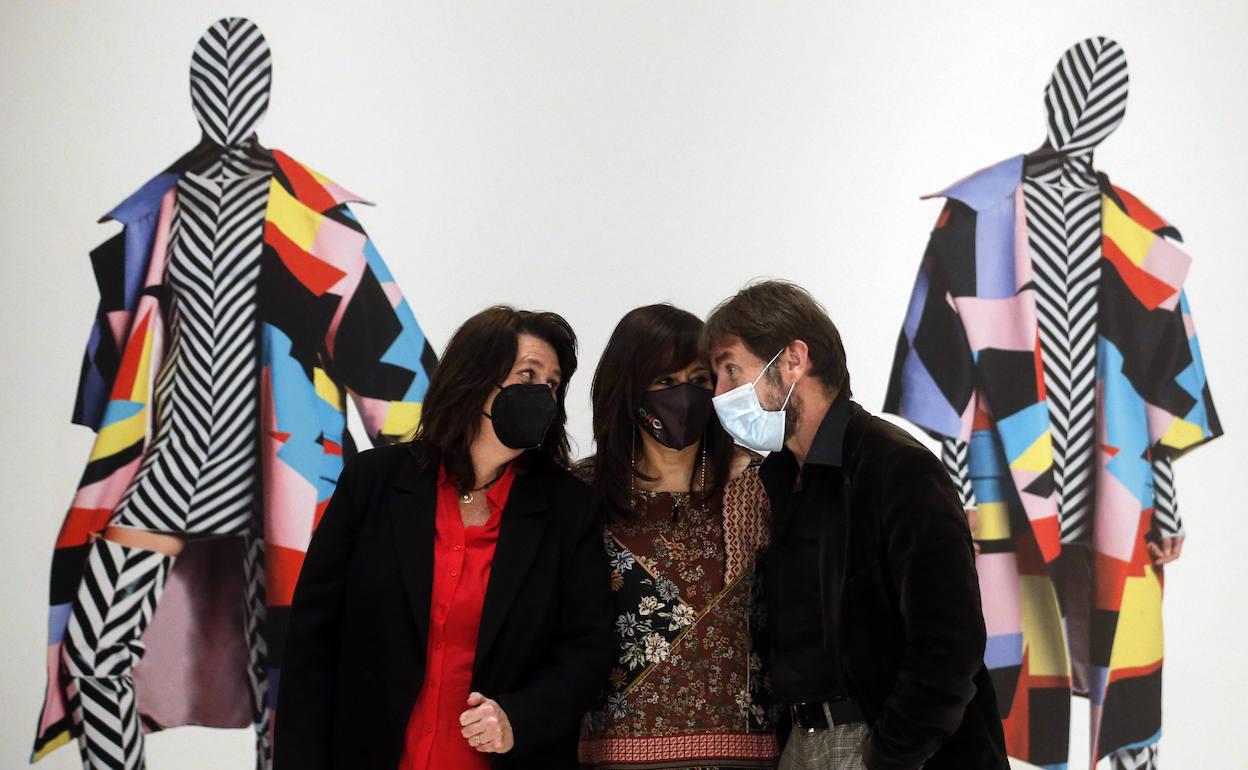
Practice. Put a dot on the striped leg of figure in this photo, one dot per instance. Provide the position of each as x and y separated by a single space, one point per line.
956 455
254 613
116 600
1134 759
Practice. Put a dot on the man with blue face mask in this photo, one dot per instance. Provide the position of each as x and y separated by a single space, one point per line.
874 636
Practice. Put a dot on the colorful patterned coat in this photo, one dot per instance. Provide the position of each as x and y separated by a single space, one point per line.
968 367
332 322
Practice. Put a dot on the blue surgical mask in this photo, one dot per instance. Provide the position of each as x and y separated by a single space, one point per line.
745 419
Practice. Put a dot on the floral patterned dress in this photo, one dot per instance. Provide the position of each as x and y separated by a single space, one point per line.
682 691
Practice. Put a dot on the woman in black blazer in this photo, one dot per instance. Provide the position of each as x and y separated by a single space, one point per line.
453 610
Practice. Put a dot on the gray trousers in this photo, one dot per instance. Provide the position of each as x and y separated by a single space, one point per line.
837 749
841 749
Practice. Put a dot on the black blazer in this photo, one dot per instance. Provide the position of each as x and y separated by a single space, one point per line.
902 606
355 652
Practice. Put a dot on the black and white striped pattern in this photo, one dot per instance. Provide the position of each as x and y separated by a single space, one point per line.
231 71
1086 101
1165 499
254 616
1064 232
956 456
1134 759
1086 98
200 474
106 718
115 603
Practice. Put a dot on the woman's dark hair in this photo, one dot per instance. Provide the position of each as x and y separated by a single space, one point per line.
648 343
769 315
478 358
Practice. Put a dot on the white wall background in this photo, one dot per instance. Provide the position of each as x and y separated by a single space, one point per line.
589 157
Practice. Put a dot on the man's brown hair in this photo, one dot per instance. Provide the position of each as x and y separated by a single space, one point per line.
769 315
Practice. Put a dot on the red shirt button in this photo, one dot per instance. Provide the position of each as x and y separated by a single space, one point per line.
433 738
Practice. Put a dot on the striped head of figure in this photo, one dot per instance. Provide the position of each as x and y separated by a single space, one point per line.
231 71
1086 98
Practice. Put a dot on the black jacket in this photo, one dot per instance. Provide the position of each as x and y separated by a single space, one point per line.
355 652
901 601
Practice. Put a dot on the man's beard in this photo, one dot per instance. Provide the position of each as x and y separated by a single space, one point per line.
792 416
776 396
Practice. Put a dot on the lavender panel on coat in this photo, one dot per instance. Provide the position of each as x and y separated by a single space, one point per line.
987 187
918 300
58 620
994 251
1003 651
923 403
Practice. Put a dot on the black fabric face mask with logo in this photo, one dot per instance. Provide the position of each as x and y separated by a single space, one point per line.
522 415
677 416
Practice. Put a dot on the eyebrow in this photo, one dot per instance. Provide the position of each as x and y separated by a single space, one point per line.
719 359
528 359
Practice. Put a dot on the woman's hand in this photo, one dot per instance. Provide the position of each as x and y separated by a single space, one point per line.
1166 551
486 725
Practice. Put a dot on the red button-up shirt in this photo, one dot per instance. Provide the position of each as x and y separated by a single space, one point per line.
461 570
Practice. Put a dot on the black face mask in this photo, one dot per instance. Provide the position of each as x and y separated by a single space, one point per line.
522 415
677 416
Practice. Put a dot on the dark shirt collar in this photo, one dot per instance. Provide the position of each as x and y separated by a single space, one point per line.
828 446
827 449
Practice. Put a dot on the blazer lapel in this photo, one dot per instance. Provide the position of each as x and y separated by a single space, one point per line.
413 506
519 536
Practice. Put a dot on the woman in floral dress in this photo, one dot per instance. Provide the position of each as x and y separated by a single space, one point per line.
689 515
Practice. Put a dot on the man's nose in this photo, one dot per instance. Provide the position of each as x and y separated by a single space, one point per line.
722 386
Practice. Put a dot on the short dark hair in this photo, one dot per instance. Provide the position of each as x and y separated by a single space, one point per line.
478 358
647 343
769 315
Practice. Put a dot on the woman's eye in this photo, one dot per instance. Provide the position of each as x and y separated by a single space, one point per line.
664 381
699 379
554 385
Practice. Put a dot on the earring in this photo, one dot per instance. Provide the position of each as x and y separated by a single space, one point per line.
702 480
632 474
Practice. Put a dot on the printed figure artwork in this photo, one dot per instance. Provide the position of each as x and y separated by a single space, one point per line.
1049 345
240 305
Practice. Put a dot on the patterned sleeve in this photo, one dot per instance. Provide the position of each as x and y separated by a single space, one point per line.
121 265
932 382
379 353
1181 415
1166 519
1152 346
956 456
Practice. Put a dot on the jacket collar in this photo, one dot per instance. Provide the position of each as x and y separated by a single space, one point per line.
990 185
986 187
142 202
312 189
826 450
